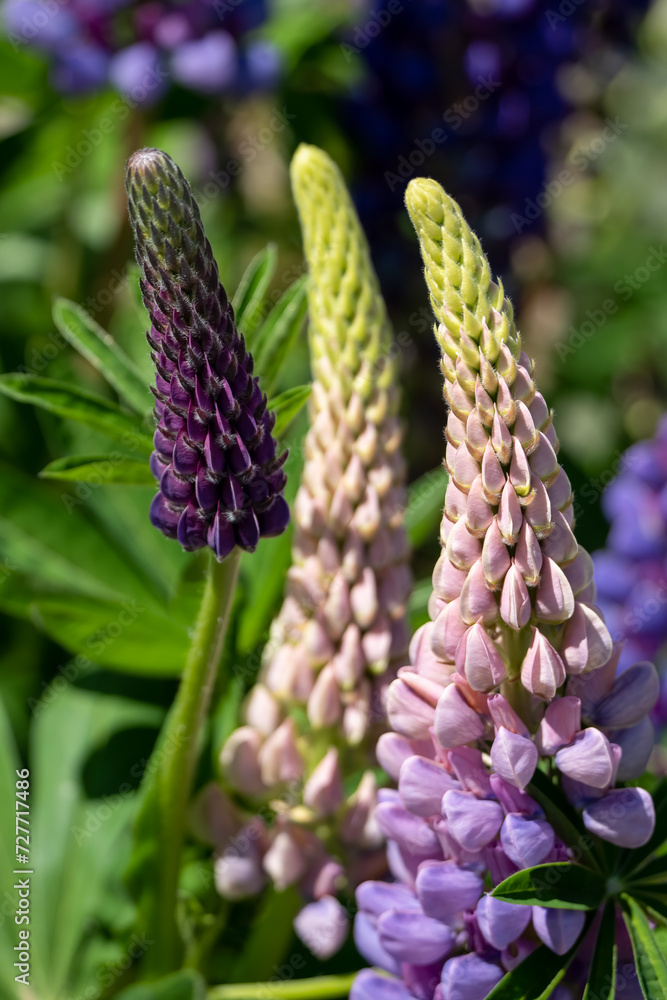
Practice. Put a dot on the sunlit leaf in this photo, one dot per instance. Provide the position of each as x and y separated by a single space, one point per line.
274 341
287 405
560 885
103 470
426 497
602 973
650 960
248 301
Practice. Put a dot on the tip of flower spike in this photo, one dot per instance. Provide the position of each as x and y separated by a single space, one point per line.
147 167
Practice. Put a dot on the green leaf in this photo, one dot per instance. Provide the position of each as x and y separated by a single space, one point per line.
248 299
275 339
426 497
560 885
103 470
48 536
653 873
77 845
538 975
72 403
602 973
287 405
124 635
183 985
317 988
650 960
632 860
101 350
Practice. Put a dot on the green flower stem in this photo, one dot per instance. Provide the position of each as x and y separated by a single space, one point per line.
180 743
317 988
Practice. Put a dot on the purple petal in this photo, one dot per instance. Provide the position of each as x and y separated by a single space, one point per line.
322 926
369 986
422 783
469 977
473 822
444 889
500 922
413 937
558 929
526 842
367 941
624 816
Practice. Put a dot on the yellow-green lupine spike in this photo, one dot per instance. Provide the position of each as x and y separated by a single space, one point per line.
463 295
348 318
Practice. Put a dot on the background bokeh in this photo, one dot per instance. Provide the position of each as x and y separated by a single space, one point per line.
548 122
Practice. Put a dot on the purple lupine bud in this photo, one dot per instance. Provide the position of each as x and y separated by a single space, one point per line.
279 758
238 870
504 715
558 929
324 704
526 842
560 724
410 936
586 643
446 632
634 694
284 862
359 825
393 749
368 985
455 721
588 759
514 757
323 790
478 659
624 816
444 889
469 977
262 710
222 483
528 555
410 832
513 799
376 897
473 822
422 784
542 671
515 608
468 766
240 761
322 926
554 600
501 923
636 744
407 712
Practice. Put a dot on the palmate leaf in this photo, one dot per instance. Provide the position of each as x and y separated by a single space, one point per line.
287 405
105 470
248 301
561 885
538 975
602 973
72 403
650 959
101 350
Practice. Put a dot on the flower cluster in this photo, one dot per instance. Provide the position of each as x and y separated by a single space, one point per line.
215 459
316 709
515 668
138 47
631 570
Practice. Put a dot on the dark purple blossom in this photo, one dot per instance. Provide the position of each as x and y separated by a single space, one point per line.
215 459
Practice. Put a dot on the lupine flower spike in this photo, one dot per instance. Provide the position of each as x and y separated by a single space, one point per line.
215 459
312 718
516 665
